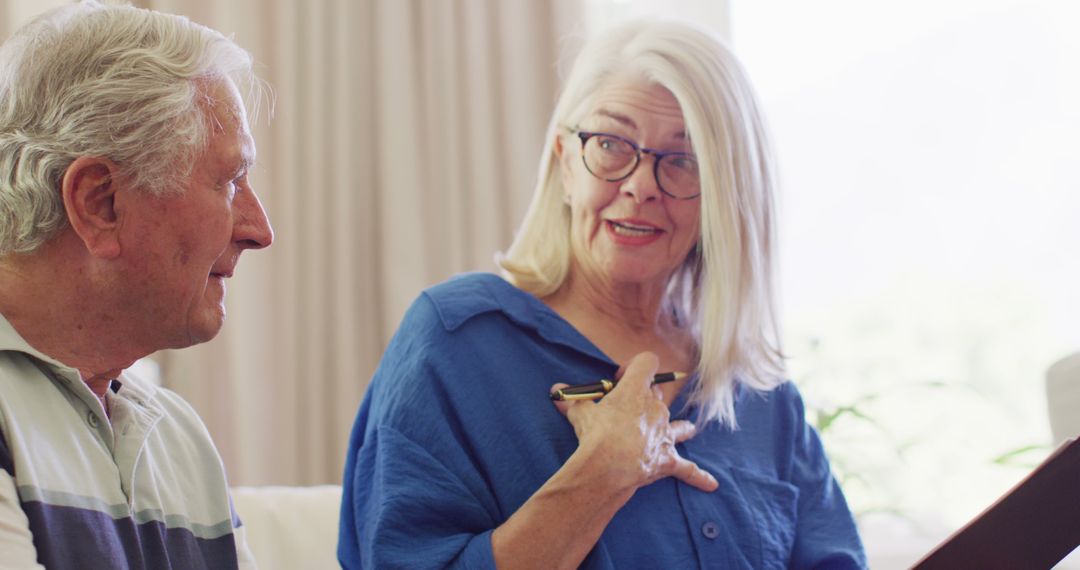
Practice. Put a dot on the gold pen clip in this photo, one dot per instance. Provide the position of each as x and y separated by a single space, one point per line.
600 389
585 392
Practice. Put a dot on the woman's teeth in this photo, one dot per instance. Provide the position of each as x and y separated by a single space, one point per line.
632 230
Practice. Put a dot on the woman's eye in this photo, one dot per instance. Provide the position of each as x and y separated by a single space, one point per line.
614 146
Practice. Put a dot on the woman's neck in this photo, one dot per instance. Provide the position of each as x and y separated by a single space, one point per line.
634 306
623 319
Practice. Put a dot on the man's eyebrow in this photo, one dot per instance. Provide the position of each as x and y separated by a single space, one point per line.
244 164
628 122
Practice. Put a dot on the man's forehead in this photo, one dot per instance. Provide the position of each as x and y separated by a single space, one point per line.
225 113
225 109
240 154
226 117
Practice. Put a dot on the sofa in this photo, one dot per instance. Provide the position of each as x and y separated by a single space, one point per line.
297 527
1063 398
291 528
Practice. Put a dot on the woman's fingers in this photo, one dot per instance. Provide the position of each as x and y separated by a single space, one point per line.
681 468
574 411
688 472
632 424
638 374
562 405
682 430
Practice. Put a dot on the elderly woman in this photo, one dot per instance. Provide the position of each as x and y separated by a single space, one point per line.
646 249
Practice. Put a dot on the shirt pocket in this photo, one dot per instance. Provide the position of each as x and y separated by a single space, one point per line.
773 506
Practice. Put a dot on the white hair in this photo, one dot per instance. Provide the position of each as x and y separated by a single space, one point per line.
116 82
723 292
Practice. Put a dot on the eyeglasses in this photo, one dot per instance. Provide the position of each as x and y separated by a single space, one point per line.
613 158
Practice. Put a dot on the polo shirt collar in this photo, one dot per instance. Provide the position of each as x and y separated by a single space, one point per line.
11 340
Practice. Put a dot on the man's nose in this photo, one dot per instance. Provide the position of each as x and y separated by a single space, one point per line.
251 227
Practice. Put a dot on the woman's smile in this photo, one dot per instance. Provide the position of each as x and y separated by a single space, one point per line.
632 232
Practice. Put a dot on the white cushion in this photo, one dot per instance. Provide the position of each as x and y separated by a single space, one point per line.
291 527
1063 398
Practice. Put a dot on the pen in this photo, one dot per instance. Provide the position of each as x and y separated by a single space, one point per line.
599 389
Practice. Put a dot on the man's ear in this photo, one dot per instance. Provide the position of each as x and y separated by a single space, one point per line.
89 191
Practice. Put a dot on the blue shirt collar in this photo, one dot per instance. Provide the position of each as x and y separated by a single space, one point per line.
459 300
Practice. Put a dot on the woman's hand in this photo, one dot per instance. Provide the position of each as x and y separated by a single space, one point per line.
629 431
625 441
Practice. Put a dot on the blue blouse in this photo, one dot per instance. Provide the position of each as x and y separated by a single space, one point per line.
457 431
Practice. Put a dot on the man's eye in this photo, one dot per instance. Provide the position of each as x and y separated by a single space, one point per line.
236 183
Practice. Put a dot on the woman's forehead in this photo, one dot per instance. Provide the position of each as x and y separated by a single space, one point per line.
630 100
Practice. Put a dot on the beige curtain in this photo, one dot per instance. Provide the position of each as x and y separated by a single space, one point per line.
14 13
403 150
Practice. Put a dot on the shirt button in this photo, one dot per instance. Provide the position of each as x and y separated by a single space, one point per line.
710 530
91 418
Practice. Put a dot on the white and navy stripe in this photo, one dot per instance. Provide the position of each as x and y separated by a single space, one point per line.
142 487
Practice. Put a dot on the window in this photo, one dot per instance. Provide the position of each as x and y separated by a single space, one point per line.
930 158
930 161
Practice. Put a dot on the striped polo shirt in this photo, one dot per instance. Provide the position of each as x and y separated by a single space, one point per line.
143 487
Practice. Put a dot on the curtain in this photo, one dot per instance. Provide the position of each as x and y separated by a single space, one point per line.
402 150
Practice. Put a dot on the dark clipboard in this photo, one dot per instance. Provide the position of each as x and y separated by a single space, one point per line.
1034 525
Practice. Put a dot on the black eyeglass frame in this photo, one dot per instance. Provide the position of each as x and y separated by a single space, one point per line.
658 155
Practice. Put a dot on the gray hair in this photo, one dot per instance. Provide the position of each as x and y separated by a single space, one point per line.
723 291
116 82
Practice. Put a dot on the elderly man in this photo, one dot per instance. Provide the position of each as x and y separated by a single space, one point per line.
124 207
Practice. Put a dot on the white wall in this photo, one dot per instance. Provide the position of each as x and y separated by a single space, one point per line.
14 13
600 14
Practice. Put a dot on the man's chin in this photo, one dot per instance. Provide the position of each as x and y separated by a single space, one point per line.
204 329
200 337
